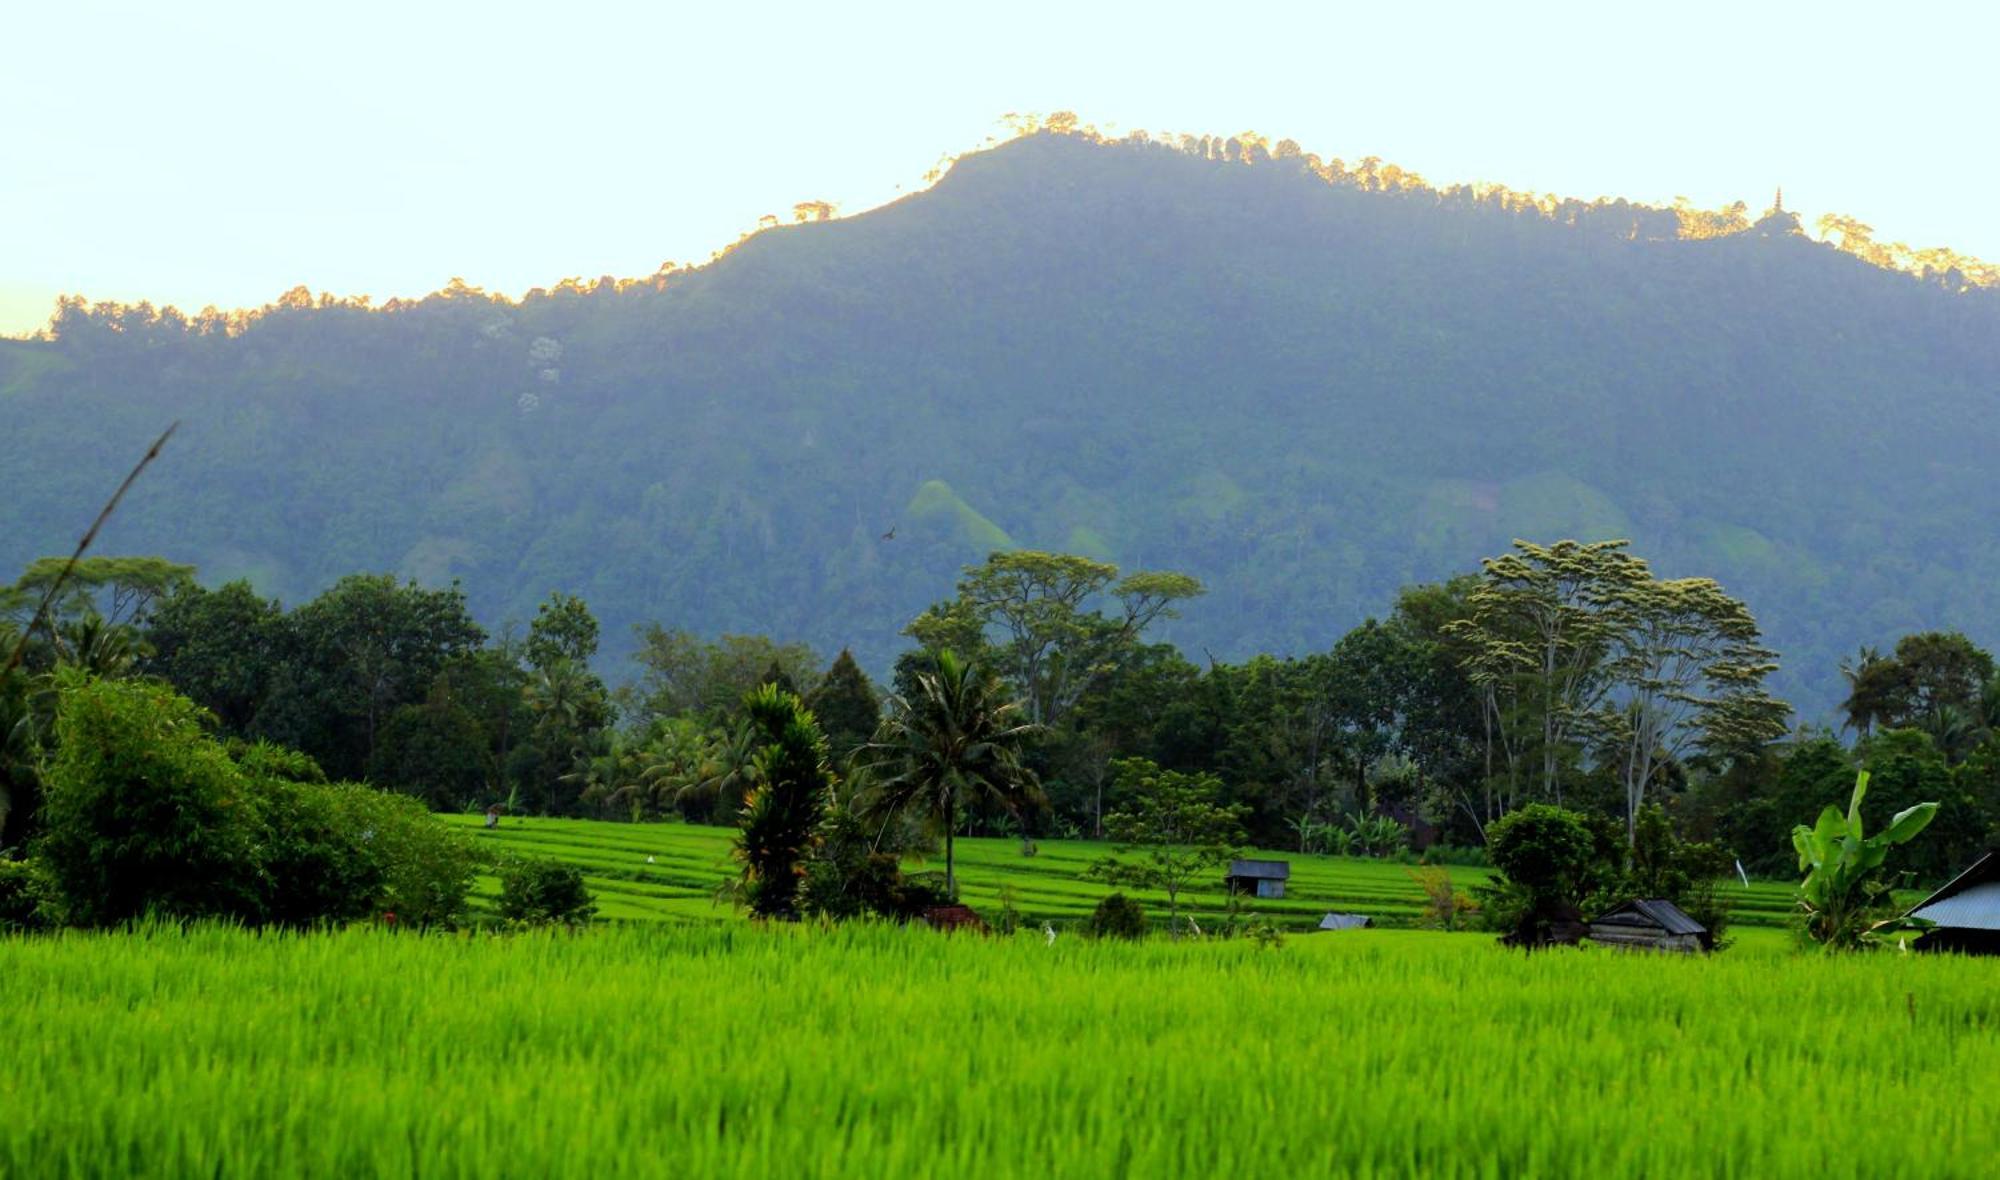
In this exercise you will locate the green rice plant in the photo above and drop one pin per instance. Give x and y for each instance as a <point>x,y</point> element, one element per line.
<point>881,1050</point>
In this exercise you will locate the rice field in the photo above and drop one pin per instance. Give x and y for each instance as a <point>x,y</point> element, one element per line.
<point>687,862</point>
<point>718,1049</point>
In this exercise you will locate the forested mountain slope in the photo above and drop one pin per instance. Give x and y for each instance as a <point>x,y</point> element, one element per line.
<point>1305,393</point>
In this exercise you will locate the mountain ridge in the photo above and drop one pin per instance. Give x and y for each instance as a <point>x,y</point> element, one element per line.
<point>1305,393</point>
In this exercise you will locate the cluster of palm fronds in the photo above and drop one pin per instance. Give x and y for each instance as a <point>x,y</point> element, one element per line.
<point>1357,835</point>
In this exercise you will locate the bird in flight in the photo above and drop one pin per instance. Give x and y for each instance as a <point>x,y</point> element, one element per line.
<point>891,534</point>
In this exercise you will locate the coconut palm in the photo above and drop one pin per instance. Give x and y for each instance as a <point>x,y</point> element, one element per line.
<point>956,738</point>
<point>1875,690</point>
<point>722,773</point>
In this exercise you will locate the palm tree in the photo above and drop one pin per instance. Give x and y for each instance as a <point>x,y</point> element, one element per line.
<point>956,738</point>
<point>723,771</point>
<point>1873,690</point>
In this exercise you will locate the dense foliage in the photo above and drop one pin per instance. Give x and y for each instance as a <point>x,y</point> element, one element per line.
<point>1305,383</point>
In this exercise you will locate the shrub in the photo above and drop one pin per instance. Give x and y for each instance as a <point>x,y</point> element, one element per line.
<point>27,896</point>
<point>317,867</point>
<point>1117,916</point>
<point>1551,861</point>
<point>268,762</point>
<point>544,892</point>
<point>1445,907</point>
<point>427,867</point>
<point>144,811</point>
<point>846,877</point>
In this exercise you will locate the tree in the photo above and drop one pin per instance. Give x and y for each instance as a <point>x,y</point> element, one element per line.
<point>353,656</point>
<point>1689,665</point>
<point>435,750</point>
<point>681,675</point>
<point>1842,865</point>
<point>1935,680</point>
<point>570,709</point>
<point>1540,618</point>
<point>956,740</point>
<point>1874,690</point>
<point>1048,643</point>
<point>846,704</point>
<point>1178,826</point>
<point>120,589</point>
<point>782,813</point>
<point>564,629</point>
<point>219,647</point>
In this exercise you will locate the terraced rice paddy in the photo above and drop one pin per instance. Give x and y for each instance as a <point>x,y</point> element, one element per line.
<point>728,1050</point>
<point>688,861</point>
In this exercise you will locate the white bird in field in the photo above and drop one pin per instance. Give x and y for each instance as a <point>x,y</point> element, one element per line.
<point>1049,932</point>
<point>649,860</point>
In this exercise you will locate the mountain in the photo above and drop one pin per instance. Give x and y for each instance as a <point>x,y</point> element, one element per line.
<point>1307,386</point>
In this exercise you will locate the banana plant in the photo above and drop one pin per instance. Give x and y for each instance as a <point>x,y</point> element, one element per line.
<point>1841,863</point>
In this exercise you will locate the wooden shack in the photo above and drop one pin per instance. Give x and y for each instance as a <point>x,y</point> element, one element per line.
<point>1338,921</point>
<point>1965,913</point>
<point>1651,924</point>
<point>1259,878</point>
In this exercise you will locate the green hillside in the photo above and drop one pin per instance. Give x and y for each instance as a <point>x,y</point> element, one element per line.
<point>1307,388</point>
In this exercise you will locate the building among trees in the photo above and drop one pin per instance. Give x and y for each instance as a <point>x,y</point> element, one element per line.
<point>1651,924</point>
<point>1259,878</point>
<point>1965,912</point>
<point>1338,921</point>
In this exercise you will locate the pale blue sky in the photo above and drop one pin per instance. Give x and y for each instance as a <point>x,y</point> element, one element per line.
<point>220,152</point>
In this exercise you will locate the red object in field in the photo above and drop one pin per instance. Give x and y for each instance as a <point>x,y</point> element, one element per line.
<point>389,917</point>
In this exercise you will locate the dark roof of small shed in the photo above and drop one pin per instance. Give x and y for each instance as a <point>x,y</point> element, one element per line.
<point>1269,870</point>
<point>1656,912</point>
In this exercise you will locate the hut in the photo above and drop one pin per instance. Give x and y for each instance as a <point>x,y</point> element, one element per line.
<point>1965,914</point>
<point>1651,924</point>
<point>1259,878</point>
<point>1337,921</point>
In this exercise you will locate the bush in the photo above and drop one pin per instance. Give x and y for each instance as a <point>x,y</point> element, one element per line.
<point>1551,861</point>
<point>144,811</point>
<point>318,869</point>
<point>27,897</point>
<point>267,762</point>
<point>1117,916</point>
<point>544,893</point>
<point>427,867</point>
<point>846,877</point>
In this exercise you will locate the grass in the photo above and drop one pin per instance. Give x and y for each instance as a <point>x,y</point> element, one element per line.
<point>688,861</point>
<point>727,1050</point>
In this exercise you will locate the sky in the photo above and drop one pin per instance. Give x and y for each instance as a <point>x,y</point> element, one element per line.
<point>221,152</point>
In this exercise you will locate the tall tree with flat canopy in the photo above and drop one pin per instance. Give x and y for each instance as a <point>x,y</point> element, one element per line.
<point>1542,615</point>
<point>1045,637</point>
<point>1690,666</point>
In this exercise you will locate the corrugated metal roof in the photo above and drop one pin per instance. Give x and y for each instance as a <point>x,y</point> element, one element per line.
<point>1975,907</point>
<point>1651,911</point>
<point>1345,922</point>
<point>1267,869</point>
<point>1940,907</point>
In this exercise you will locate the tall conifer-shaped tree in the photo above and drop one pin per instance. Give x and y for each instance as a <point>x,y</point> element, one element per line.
<point>781,813</point>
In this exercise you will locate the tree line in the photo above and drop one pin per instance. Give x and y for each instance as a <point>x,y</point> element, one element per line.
<point>1565,674</point>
